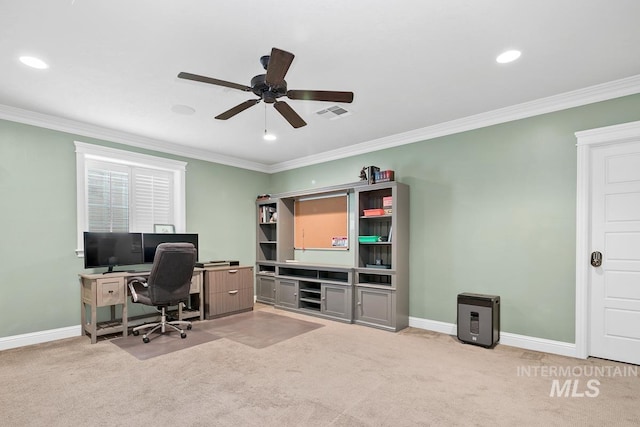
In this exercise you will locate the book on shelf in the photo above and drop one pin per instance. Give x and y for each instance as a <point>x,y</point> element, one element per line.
<point>267,214</point>
<point>383,176</point>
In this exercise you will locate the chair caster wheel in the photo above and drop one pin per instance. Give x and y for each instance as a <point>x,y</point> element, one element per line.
<point>145,340</point>
<point>183,335</point>
<point>189,327</point>
<point>136,333</point>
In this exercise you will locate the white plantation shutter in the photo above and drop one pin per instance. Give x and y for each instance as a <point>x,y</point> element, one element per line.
<point>152,201</point>
<point>122,191</point>
<point>107,199</point>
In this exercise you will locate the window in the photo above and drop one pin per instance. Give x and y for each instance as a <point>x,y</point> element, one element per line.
<point>121,191</point>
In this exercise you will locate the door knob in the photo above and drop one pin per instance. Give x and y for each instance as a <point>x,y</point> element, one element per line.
<point>596,259</point>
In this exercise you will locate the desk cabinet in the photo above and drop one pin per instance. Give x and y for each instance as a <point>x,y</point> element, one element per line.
<point>228,290</point>
<point>99,290</point>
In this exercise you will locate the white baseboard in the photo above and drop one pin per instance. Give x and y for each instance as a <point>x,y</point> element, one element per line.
<point>39,337</point>
<point>506,338</point>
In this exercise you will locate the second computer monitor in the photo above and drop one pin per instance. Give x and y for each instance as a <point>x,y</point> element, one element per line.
<point>151,240</point>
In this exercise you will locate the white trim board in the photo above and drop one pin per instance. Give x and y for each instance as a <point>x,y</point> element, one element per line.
<point>601,92</point>
<point>586,141</point>
<point>506,338</point>
<point>512,340</point>
<point>31,338</point>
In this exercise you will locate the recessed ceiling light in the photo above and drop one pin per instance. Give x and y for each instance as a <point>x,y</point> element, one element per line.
<point>183,109</point>
<point>34,62</point>
<point>508,56</point>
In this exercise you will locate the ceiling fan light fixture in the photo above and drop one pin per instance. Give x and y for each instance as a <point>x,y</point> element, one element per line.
<point>268,136</point>
<point>508,56</point>
<point>183,109</point>
<point>33,62</point>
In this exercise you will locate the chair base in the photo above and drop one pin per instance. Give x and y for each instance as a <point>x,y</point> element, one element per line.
<point>162,325</point>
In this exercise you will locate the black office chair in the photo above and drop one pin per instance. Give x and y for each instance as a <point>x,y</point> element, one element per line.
<point>168,284</point>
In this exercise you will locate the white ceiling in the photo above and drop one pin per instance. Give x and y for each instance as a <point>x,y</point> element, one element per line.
<point>413,66</point>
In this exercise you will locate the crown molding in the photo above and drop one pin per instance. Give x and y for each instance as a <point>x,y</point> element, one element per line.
<point>589,95</point>
<point>625,132</point>
<point>92,131</point>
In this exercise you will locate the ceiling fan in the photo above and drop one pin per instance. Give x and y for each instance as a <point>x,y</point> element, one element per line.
<point>271,86</point>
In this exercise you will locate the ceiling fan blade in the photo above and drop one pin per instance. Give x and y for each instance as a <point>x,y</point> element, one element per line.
<point>237,109</point>
<point>279,63</point>
<point>321,95</point>
<point>287,112</point>
<point>204,79</point>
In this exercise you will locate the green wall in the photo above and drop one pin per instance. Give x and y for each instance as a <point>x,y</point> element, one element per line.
<point>39,287</point>
<point>492,211</point>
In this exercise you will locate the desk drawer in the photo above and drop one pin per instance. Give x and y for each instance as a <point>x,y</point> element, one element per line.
<point>229,279</point>
<point>110,291</point>
<point>230,301</point>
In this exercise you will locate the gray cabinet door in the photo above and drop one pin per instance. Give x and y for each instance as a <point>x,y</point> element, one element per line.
<point>337,301</point>
<point>287,293</point>
<point>266,289</point>
<point>375,306</point>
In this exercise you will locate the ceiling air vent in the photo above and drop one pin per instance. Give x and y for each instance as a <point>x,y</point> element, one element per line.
<point>332,113</point>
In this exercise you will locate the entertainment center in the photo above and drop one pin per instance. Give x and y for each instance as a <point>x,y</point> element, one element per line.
<point>373,290</point>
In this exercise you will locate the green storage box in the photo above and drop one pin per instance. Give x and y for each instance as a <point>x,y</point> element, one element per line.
<point>368,239</point>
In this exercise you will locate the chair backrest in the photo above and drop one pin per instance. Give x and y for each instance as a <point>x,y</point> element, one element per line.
<point>170,278</point>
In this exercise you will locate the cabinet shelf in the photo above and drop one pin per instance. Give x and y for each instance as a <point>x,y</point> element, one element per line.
<point>311,300</point>
<point>382,296</point>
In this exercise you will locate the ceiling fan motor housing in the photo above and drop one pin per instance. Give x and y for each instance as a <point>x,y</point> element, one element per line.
<point>264,91</point>
<point>264,61</point>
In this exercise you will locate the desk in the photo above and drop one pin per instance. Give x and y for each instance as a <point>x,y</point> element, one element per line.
<point>102,290</point>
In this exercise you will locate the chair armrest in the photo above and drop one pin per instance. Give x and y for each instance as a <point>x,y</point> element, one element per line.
<point>132,282</point>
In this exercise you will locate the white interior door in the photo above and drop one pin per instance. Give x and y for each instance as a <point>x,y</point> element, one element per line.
<point>615,232</point>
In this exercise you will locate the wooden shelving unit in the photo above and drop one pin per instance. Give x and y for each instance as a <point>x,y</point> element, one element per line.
<point>382,270</point>
<point>373,292</point>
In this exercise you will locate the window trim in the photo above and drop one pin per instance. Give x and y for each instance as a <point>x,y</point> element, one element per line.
<point>86,151</point>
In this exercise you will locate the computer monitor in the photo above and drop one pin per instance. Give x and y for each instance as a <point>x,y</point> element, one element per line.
<point>112,249</point>
<point>151,240</point>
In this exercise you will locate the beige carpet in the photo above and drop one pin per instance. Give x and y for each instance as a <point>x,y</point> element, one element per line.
<point>335,375</point>
<point>257,329</point>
